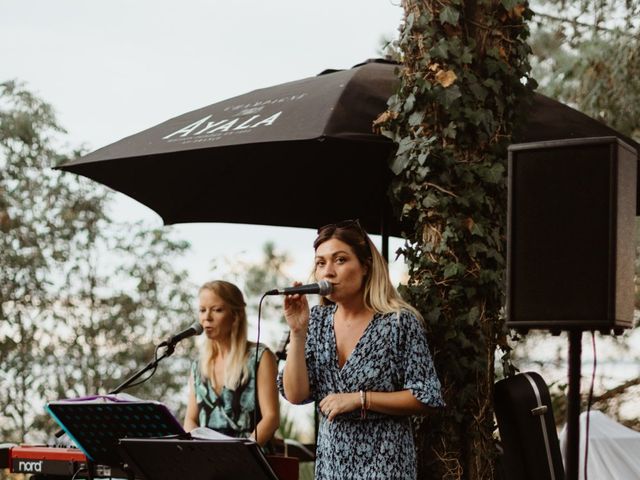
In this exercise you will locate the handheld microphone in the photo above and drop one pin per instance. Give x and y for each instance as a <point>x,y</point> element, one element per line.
<point>323,287</point>
<point>195,329</point>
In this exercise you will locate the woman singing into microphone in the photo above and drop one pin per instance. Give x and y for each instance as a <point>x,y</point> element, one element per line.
<point>222,381</point>
<point>363,356</point>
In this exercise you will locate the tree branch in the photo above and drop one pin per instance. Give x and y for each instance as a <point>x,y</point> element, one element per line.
<point>619,390</point>
<point>573,21</point>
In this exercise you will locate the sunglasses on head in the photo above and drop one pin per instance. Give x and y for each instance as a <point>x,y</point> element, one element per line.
<point>355,223</point>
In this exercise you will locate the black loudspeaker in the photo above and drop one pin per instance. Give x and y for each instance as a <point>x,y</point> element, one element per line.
<point>571,235</point>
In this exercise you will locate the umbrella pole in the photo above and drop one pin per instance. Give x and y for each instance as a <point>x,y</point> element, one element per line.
<point>385,237</point>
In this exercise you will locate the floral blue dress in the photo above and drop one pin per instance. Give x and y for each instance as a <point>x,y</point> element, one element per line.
<point>391,355</point>
<point>232,412</point>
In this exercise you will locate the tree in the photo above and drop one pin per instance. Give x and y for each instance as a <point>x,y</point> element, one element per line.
<point>266,275</point>
<point>589,57</point>
<point>257,277</point>
<point>83,299</point>
<point>465,74</point>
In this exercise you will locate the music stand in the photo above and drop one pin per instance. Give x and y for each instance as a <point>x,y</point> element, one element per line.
<point>168,459</point>
<point>96,426</point>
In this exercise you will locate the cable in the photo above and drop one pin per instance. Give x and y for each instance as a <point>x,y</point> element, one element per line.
<point>589,402</point>
<point>255,377</point>
<point>155,359</point>
<point>80,469</point>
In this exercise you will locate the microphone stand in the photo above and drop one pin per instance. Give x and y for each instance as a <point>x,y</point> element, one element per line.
<point>153,364</point>
<point>281,351</point>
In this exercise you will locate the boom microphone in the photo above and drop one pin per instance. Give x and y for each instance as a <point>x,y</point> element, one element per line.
<point>323,287</point>
<point>195,329</point>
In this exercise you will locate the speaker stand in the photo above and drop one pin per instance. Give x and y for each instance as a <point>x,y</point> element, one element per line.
<point>573,406</point>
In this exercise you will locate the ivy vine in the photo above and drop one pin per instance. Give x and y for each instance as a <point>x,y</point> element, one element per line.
<point>464,80</point>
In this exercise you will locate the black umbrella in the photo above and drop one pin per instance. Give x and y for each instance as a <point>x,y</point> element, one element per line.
<point>299,154</point>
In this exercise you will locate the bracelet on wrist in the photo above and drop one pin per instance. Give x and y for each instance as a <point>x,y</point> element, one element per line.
<point>363,404</point>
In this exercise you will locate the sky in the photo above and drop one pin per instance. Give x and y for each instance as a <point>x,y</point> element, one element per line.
<point>112,68</point>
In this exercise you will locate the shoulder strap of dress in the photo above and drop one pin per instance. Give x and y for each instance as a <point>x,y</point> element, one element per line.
<point>197,373</point>
<point>251,351</point>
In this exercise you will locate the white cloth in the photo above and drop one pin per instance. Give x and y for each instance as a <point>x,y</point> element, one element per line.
<point>614,450</point>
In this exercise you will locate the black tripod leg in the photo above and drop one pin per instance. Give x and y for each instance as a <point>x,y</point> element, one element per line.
<point>91,468</point>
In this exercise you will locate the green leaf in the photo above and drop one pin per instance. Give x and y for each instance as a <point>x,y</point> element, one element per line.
<point>449,15</point>
<point>509,4</point>
<point>450,130</point>
<point>422,85</point>
<point>450,334</point>
<point>440,50</point>
<point>399,162</point>
<point>466,57</point>
<point>387,133</point>
<point>495,173</point>
<point>449,95</point>
<point>425,19</point>
<point>409,102</point>
<point>423,172</point>
<point>410,19</point>
<point>416,118</point>
<point>451,270</point>
<point>477,230</point>
<point>478,91</point>
<point>405,145</point>
<point>473,316</point>
<point>430,201</point>
<point>433,315</point>
<point>492,84</point>
<point>407,207</point>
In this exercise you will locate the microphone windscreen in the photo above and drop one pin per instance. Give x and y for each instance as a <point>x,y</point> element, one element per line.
<point>325,287</point>
<point>198,328</point>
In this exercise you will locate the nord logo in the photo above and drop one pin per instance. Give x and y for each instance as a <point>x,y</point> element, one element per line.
<point>34,466</point>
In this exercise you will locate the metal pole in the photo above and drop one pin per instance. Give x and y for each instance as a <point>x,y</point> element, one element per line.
<point>149,366</point>
<point>573,406</point>
<point>385,236</point>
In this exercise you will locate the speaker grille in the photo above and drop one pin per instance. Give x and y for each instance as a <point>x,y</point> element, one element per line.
<point>564,251</point>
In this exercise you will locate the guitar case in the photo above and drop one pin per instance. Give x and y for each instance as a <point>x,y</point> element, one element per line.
<point>531,450</point>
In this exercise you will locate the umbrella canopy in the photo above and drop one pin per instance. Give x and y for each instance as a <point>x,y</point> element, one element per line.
<point>299,154</point>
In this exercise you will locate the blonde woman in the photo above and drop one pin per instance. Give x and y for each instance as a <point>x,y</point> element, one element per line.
<point>222,381</point>
<point>363,356</point>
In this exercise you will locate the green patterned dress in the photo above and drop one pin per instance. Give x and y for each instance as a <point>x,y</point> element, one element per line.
<point>232,412</point>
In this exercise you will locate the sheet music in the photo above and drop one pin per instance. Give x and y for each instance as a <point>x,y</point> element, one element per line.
<point>205,433</point>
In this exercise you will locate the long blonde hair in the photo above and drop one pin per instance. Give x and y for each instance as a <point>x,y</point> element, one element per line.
<point>236,371</point>
<point>379,293</point>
